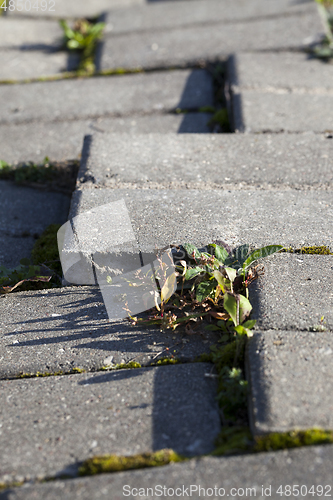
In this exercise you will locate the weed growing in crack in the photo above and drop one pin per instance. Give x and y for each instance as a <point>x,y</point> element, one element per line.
<point>325,49</point>
<point>212,293</point>
<point>51,175</point>
<point>83,38</point>
<point>43,272</point>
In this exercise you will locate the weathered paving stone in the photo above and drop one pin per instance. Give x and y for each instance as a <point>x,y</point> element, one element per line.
<point>189,45</point>
<point>237,216</point>
<point>265,472</point>
<point>284,92</point>
<point>182,13</point>
<point>281,111</point>
<point>33,34</point>
<point>105,96</point>
<point>294,293</point>
<point>218,160</point>
<point>287,70</point>
<point>24,214</point>
<point>156,217</point>
<point>75,8</point>
<point>52,424</point>
<point>63,140</point>
<point>290,375</point>
<point>22,64</point>
<point>57,330</point>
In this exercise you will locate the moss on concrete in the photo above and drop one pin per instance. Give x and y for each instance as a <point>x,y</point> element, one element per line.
<point>312,250</point>
<point>293,439</point>
<point>167,361</point>
<point>233,440</point>
<point>116,463</point>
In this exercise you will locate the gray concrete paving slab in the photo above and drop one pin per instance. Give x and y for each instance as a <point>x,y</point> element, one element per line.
<point>63,140</point>
<point>256,217</point>
<point>291,380</point>
<point>160,217</point>
<point>26,212</point>
<point>33,34</point>
<point>295,292</point>
<point>74,8</point>
<point>285,70</point>
<point>20,64</point>
<point>143,17</point>
<point>54,423</point>
<point>280,111</point>
<point>105,96</point>
<point>61,329</point>
<point>208,160</point>
<point>265,472</point>
<point>189,45</point>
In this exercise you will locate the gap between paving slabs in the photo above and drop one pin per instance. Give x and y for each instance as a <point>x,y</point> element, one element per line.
<point>232,439</point>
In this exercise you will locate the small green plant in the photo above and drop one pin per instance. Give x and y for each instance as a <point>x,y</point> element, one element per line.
<point>25,273</point>
<point>325,49</point>
<point>43,272</point>
<point>58,176</point>
<point>83,38</point>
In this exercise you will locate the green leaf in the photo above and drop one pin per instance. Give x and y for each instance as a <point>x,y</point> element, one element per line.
<point>219,278</point>
<point>240,330</point>
<point>212,328</point>
<point>232,273</point>
<point>249,324</point>
<point>260,253</point>
<point>204,289</point>
<point>192,272</point>
<point>242,253</point>
<point>230,305</point>
<point>109,280</point>
<point>168,288</point>
<point>73,44</point>
<point>190,249</point>
<point>244,308</point>
<point>220,252</point>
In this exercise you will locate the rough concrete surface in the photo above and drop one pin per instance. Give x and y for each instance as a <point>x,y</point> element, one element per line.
<point>76,8</point>
<point>33,34</point>
<point>54,423</point>
<point>63,140</point>
<point>61,329</point>
<point>143,17</point>
<point>256,217</point>
<point>23,64</point>
<point>291,380</point>
<point>295,292</point>
<point>25,213</point>
<point>184,45</point>
<point>219,159</point>
<point>286,70</point>
<point>281,111</point>
<point>265,472</point>
<point>105,96</point>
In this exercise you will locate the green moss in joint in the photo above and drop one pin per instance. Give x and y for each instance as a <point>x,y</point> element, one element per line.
<point>233,440</point>
<point>204,358</point>
<point>313,250</point>
<point>125,366</point>
<point>167,361</point>
<point>45,249</point>
<point>293,439</point>
<point>115,463</point>
<point>78,370</point>
<point>39,374</point>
